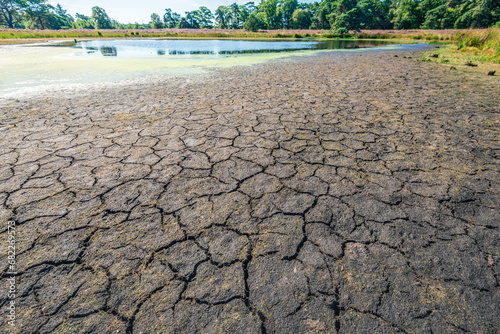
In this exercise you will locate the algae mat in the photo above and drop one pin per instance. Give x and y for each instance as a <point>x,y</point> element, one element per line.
<point>341,193</point>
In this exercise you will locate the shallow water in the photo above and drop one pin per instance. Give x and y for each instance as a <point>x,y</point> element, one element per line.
<point>129,48</point>
<point>28,70</point>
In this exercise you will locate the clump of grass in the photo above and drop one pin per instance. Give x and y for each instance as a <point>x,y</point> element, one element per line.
<point>485,44</point>
<point>280,35</point>
<point>480,47</point>
<point>336,35</point>
<point>363,35</point>
<point>481,39</point>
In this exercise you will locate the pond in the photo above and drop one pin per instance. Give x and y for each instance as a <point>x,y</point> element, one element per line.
<point>39,69</point>
<point>130,48</point>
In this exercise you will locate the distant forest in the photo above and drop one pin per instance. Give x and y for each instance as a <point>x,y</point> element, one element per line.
<point>340,16</point>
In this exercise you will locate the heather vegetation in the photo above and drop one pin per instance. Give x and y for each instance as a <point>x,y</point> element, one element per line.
<point>339,16</point>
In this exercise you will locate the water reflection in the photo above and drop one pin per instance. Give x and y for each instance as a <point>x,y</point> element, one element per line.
<point>154,48</point>
<point>108,51</point>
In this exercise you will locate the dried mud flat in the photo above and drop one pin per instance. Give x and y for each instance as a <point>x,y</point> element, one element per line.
<point>352,192</point>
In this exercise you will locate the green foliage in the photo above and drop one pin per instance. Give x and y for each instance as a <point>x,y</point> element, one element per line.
<point>156,22</point>
<point>11,12</point>
<point>33,14</point>
<point>301,19</point>
<point>190,21</point>
<point>101,19</point>
<point>83,22</point>
<point>478,14</point>
<point>39,15</point>
<point>487,40</point>
<point>271,14</point>
<point>171,19</point>
<point>322,11</point>
<point>405,14</point>
<point>222,17</point>
<point>286,9</point>
<point>339,16</point>
<point>204,17</point>
<point>253,23</point>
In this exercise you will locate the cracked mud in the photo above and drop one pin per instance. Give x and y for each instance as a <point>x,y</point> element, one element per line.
<point>344,193</point>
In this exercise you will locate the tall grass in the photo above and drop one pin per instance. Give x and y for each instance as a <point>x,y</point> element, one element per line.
<point>426,35</point>
<point>485,41</point>
<point>480,46</point>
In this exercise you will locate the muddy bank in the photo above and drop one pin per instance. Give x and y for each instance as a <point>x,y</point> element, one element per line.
<point>348,192</point>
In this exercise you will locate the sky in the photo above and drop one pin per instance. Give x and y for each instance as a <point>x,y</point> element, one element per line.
<point>131,11</point>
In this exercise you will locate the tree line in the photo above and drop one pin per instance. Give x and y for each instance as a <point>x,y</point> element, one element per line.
<point>340,16</point>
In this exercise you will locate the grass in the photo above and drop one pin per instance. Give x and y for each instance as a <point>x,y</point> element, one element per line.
<point>427,35</point>
<point>479,47</point>
<point>9,34</point>
<point>484,44</point>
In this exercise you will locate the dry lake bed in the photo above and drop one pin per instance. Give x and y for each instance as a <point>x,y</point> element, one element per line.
<point>345,192</point>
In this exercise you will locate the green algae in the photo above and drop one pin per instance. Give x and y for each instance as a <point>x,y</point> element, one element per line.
<point>29,68</point>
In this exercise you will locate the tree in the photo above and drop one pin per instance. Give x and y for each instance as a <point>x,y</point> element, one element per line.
<point>183,23</point>
<point>204,17</point>
<point>83,22</point>
<point>191,21</point>
<point>271,14</point>
<point>58,10</point>
<point>11,12</point>
<point>288,7</point>
<point>478,14</point>
<point>222,17</point>
<point>406,14</point>
<point>171,19</point>
<point>373,14</point>
<point>101,19</point>
<point>438,14</point>
<point>345,16</point>
<point>321,21</point>
<point>301,19</point>
<point>39,16</point>
<point>156,22</point>
<point>253,23</point>
<point>235,15</point>
<point>246,10</point>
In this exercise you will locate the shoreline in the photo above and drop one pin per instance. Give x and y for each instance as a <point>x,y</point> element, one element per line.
<point>62,72</point>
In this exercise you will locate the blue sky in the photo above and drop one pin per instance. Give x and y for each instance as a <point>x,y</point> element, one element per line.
<point>128,11</point>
